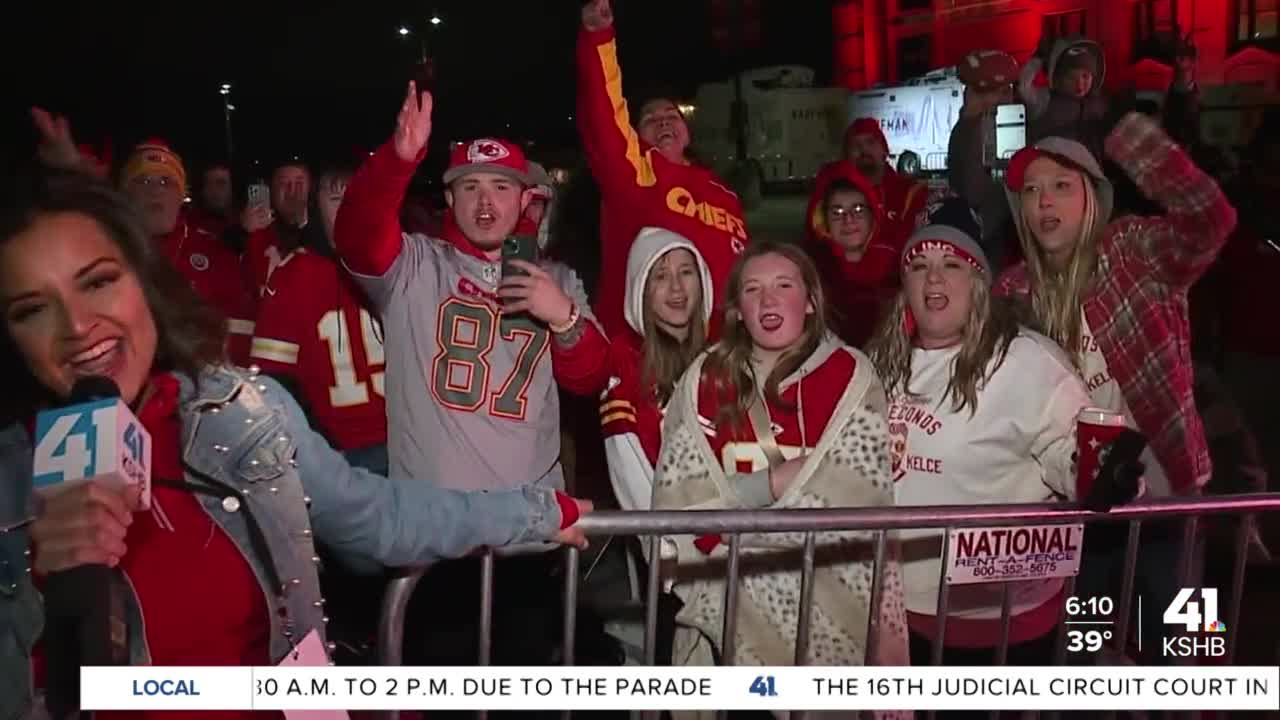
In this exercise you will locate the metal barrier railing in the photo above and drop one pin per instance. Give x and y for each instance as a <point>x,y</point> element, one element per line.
<point>732,523</point>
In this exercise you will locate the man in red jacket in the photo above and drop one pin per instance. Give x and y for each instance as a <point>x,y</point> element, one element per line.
<point>645,176</point>
<point>904,198</point>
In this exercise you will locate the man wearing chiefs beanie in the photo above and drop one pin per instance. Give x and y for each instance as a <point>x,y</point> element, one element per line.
<point>904,198</point>
<point>156,180</point>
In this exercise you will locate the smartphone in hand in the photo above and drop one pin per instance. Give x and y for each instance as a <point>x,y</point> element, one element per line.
<point>1010,132</point>
<point>518,247</point>
<point>259,195</point>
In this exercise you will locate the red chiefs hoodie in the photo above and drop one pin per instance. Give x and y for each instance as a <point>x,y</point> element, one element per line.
<point>858,292</point>
<point>641,188</point>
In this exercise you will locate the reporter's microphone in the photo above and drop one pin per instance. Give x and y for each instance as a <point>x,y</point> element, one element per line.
<point>95,436</point>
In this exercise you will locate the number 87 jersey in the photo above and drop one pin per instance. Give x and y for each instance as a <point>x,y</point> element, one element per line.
<point>472,401</point>
<point>312,327</point>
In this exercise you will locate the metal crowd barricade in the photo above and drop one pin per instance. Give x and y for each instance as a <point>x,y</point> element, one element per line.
<point>732,523</point>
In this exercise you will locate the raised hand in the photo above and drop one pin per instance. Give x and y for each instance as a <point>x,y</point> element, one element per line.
<point>413,126</point>
<point>597,15</point>
<point>57,148</point>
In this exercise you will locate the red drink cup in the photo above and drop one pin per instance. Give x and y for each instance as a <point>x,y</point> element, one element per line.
<point>1095,429</point>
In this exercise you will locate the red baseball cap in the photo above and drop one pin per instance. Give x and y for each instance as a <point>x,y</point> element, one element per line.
<point>490,155</point>
<point>1014,174</point>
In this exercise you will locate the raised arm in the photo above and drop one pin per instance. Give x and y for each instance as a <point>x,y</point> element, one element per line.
<point>1181,244</point>
<point>367,232</point>
<point>1035,98</point>
<point>613,147</point>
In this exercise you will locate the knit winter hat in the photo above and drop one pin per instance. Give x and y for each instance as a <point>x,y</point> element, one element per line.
<point>154,157</point>
<point>952,239</point>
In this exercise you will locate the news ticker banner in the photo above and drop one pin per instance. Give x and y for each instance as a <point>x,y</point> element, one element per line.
<point>685,688</point>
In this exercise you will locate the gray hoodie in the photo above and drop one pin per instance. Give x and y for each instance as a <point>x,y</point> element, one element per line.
<point>1050,112</point>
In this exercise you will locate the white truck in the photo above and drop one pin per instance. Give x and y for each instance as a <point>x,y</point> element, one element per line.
<point>793,128</point>
<point>916,116</point>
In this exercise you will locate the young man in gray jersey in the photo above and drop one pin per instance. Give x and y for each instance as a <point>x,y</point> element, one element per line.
<point>471,396</point>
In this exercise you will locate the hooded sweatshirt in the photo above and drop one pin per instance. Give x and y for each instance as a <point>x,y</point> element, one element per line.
<point>858,291</point>
<point>1053,113</point>
<point>1135,310</point>
<point>630,417</point>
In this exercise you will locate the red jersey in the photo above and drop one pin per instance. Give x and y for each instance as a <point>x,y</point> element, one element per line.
<point>263,253</point>
<point>313,326</point>
<point>904,200</point>
<point>628,406</point>
<point>816,393</point>
<point>213,270</point>
<point>639,187</point>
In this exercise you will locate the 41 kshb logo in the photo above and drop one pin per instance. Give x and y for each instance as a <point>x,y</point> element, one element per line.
<point>1195,617</point>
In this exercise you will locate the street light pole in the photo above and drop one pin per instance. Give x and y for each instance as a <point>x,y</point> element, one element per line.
<point>226,114</point>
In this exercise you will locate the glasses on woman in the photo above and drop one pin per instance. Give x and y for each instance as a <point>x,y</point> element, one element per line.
<point>848,213</point>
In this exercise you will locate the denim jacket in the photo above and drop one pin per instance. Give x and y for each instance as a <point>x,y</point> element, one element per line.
<point>246,433</point>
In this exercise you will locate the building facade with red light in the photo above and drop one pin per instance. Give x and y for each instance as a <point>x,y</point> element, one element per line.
<point>888,41</point>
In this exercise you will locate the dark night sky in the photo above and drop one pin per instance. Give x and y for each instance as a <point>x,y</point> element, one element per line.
<point>325,78</point>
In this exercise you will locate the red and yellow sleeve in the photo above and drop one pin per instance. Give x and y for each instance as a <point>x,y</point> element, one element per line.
<point>613,147</point>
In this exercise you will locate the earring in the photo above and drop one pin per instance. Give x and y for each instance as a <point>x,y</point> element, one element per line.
<point>908,322</point>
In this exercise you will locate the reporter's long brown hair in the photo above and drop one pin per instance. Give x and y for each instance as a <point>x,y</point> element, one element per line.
<point>728,364</point>
<point>190,334</point>
<point>991,328</point>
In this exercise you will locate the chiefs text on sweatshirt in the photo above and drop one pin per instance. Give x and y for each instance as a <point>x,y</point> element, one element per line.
<point>639,187</point>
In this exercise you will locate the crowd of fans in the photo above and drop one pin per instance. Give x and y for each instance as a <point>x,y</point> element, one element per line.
<point>338,381</point>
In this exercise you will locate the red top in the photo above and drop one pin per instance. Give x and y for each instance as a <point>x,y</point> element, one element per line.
<point>629,405</point>
<point>313,326</point>
<point>822,388</point>
<point>639,187</point>
<point>201,603</point>
<point>904,197</point>
<point>262,255</point>
<point>858,291</point>
<point>213,270</point>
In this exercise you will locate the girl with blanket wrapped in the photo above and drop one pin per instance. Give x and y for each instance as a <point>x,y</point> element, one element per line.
<point>779,414</point>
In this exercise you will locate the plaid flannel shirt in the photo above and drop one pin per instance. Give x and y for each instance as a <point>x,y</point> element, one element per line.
<point>1137,305</point>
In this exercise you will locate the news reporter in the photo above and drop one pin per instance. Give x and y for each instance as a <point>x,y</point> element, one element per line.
<point>222,569</point>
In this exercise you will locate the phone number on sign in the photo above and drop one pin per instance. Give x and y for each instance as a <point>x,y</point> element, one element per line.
<point>1014,569</point>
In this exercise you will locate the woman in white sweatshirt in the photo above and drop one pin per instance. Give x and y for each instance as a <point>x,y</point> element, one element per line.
<point>981,411</point>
